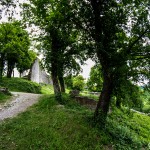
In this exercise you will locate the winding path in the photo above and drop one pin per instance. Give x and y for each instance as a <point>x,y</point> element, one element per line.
<point>19,103</point>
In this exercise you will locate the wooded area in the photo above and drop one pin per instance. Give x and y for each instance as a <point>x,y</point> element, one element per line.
<point>112,33</point>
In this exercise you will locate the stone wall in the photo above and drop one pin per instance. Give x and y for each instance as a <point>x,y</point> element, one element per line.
<point>85,101</point>
<point>39,75</point>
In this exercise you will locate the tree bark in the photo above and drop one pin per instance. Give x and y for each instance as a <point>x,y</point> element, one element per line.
<point>10,68</point>
<point>55,79</point>
<point>62,84</point>
<point>104,100</point>
<point>1,67</point>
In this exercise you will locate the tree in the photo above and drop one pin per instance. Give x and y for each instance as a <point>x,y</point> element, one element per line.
<point>117,28</point>
<point>14,43</point>
<point>128,95</point>
<point>94,82</point>
<point>58,38</point>
<point>10,10</point>
<point>25,62</point>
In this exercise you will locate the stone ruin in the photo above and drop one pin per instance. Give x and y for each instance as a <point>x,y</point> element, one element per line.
<point>38,75</point>
<point>83,100</point>
<point>35,74</point>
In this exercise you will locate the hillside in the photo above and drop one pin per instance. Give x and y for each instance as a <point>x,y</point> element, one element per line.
<point>20,85</point>
<point>49,125</point>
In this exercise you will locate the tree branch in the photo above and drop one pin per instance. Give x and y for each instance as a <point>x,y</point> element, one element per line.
<point>134,42</point>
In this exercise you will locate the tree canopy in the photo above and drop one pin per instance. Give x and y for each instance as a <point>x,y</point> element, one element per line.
<point>58,38</point>
<point>14,45</point>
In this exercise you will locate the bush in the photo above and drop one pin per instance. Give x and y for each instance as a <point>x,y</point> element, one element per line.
<point>78,83</point>
<point>21,85</point>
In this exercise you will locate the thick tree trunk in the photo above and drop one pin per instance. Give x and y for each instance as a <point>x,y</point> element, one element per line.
<point>104,100</point>
<point>62,84</point>
<point>55,79</point>
<point>55,84</point>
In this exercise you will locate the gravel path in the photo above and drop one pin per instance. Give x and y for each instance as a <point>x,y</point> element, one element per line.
<point>19,103</point>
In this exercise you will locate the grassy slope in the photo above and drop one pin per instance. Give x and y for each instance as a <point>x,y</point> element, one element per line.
<point>4,98</point>
<point>47,89</point>
<point>21,85</point>
<point>50,126</point>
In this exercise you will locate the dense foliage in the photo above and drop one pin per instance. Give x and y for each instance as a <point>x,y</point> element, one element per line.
<point>95,81</point>
<point>78,83</point>
<point>14,48</point>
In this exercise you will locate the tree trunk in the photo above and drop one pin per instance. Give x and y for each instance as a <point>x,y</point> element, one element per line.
<point>1,67</point>
<point>55,79</point>
<point>10,68</point>
<point>62,84</point>
<point>104,100</point>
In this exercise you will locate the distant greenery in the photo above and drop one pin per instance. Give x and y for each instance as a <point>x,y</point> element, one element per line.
<point>95,81</point>
<point>21,85</point>
<point>78,83</point>
<point>48,125</point>
<point>75,82</point>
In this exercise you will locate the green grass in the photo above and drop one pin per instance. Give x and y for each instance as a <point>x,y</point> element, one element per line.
<point>21,85</point>
<point>131,130</point>
<point>47,89</point>
<point>50,126</point>
<point>4,98</point>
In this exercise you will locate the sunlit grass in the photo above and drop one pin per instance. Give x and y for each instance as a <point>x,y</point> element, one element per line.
<point>47,89</point>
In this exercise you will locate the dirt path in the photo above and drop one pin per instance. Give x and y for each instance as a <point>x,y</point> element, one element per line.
<point>19,103</point>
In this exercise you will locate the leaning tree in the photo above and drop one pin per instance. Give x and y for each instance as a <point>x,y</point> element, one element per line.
<point>118,29</point>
